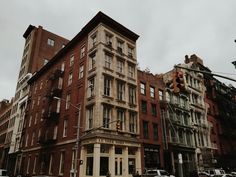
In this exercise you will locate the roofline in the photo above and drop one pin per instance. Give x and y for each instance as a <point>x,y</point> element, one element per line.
<point>98,18</point>
<point>28,31</point>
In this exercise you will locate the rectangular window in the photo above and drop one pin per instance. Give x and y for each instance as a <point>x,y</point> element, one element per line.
<point>81,71</point>
<point>91,87</point>
<point>107,86</point>
<point>104,166</point>
<point>132,122</point>
<point>132,95</point>
<point>50,164</point>
<point>121,118</point>
<point>62,162</point>
<point>106,116</point>
<point>55,133</point>
<point>109,40</point>
<point>65,127</point>
<point>28,164</point>
<point>130,52</point>
<point>145,130</point>
<point>26,140</point>
<point>144,106</point>
<point>32,140</point>
<point>67,101</point>
<point>82,52</point>
<point>92,61</point>
<point>155,131</point>
<point>120,46</point>
<point>143,88</point>
<point>152,92</point>
<point>89,166</point>
<point>51,42</point>
<point>94,39</point>
<point>72,58</point>
<point>120,66</point>
<point>154,109</point>
<point>35,163</point>
<point>120,90</point>
<point>108,60</point>
<point>161,95</point>
<point>90,117</point>
<point>69,79</point>
<point>131,71</point>
<point>132,168</point>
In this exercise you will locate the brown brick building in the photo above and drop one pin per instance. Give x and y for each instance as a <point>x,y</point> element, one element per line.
<point>150,120</point>
<point>5,112</point>
<point>40,46</point>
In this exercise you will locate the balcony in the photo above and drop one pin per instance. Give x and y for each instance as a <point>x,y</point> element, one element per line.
<point>47,141</point>
<point>53,115</point>
<point>56,74</point>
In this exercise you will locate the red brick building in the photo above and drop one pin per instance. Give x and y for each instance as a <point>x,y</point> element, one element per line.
<point>40,46</point>
<point>5,112</point>
<point>150,120</point>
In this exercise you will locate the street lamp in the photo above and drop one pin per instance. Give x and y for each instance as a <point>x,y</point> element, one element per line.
<point>77,135</point>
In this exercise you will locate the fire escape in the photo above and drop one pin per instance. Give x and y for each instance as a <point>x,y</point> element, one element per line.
<point>50,118</point>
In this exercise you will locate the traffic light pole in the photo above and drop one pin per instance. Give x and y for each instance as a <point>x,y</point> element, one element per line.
<point>205,72</point>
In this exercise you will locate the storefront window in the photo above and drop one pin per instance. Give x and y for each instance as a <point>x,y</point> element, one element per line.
<point>89,166</point>
<point>104,166</point>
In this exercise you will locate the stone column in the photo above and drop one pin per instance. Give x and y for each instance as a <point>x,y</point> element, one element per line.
<point>96,159</point>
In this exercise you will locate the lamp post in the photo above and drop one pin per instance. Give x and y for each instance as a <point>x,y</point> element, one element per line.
<point>77,136</point>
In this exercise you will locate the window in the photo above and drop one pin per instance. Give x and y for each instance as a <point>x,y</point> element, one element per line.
<point>160,95</point>
<point>107,86</point>
<point>154,109</point>
<point>26,140</point>
<point>121,118</point>
<point>109,40</point>
<point>90,117</point>
<point>82,52</point>
<point>32,140</point>
<point>30,120</point>
<point>92,61</point>
<point>69,79</point>
<point>28,164</point>
<point>89,166</point>
<point>39,98</point>
<point>67,101</point>
<point>132,95</point>
<point>94,39</point>
<point>145,130</point>
<point>108,59</point>
<point>81,71</point>
<point>91,87</point>
<point>143,88</point>
<point>130,52</point>
<point>132,122</point>
<point>120,90</point>
<point>120,66</point>
<point>104,166</point>
<point>62,161</point>
<point>63,66</point>
<point>120,46</point>
<point>144,106</point>
<point>65,126</point>
<point>131,71</point>
<point>72,60</point>
<point>155,131</point>
<point>106,116</point>
<point>35,163</point>
<point>51,42</point>
<point>152,92</point>
<point>55,133</point>
<point>50,164</point>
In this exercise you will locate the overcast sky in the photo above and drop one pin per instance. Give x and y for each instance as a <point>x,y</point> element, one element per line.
<point>168,30</point>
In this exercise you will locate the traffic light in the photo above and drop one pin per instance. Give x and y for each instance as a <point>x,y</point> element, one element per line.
<point>173,84</point>
<point>118,125</point>
<point>179,80</point>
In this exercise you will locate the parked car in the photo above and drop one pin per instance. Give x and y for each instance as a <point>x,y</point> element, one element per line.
<point>3,173</point>
<point>215,172</point>
<point>157,173</point>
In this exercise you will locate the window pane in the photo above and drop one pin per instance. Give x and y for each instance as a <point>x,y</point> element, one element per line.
<point>104,166</point>
<point>89,166</point>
